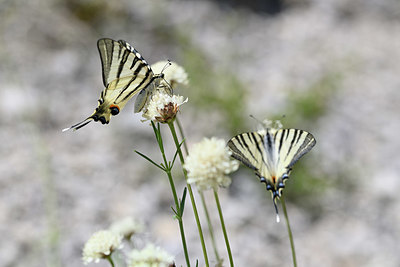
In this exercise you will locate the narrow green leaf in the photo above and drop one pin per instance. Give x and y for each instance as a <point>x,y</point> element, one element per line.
<point>176,153</point>
<point>157,133</point>
<point>150,160</point>
<point>175,212</point>
<point>166,168</point>
<point>182,204</point>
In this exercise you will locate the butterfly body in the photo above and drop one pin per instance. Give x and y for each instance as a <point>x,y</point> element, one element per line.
<point>125,74</point>
<point>271,153</point>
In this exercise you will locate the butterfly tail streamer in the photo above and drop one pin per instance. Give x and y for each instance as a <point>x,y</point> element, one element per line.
<point>274,198</point>
<point>79,125</point>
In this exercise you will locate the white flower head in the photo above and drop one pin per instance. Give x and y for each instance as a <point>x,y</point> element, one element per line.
<point>174,74</point>
<point>150,256</point>
<point>208,164</point>
<point>269,124</point>
<point>100,245</point>
<point>162,107</point>
<point>127,227</point>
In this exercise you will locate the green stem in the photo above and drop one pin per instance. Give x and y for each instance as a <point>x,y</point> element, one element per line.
<point>221,217</point>
<point>196,215</point>
<point>177,206</point>
<point>180,221</point>
<point>210,227</point>
<point>289,231</point>
<point>182,135</point>
<point>110,260</point>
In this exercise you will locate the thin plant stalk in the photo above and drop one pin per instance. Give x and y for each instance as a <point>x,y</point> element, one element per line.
<point>110,261</point>
<point>289,231</point>
<point>221,217</point>
<point>173,189</point>
<point>182,135</point>
<point>210,227</point>
<point>196,215</point>
<point>180,221</point>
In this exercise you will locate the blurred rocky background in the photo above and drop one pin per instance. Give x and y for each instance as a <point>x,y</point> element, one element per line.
<point>328,67</point>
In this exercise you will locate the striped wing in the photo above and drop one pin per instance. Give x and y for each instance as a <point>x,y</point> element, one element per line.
<point>120,59</point>
<point>291,145</point>
<point>271,153</point>
<point>125,73</point>
<point>249,149</point>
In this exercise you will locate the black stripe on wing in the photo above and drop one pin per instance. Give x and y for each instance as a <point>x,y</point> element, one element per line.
<point>246,148</point>
<point>122,62</point>
<point>293,144</point>
<point>106,50</point>
<point>146,80</point>
<point>119,59</point>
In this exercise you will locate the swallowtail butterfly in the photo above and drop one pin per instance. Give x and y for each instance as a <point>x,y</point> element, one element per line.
<point>271,153</point>
<point>125,74</point>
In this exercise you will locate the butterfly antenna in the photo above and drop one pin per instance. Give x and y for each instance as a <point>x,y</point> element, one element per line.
<point>261,126</point>
<point>166,65</point>
<point>170,89</point>
<point>257,120</point>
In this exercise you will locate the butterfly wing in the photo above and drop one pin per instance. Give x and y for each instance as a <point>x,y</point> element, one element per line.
<point>291,145</point>
<point>120,59</point>
<point>249,149</point>
<point>124,70</point>
<point>125,73</point>
<point>271,154</point>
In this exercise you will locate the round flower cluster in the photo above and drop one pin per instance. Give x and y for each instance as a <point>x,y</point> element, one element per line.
<point>174,74</point>
<point>163,107</point>
<point>100,245</point>
<point>208,164</point>
<point>150,256</point>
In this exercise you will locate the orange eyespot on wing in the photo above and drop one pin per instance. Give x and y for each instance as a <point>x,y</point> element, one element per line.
<point>114,109</point>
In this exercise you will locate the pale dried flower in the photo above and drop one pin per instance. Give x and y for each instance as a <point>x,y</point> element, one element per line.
<point>127,227</point>
<point>162,107</point>
<point>100,245</point>
<point>150,256</point>
<point>269,124</point>
<point>208,164</point>
<point>174,74</point>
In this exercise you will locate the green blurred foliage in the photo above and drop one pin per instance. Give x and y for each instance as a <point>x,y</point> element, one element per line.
<point>95,12</point>
<point>215,89</point>
<point>305,108</point>
<point>312,104</point>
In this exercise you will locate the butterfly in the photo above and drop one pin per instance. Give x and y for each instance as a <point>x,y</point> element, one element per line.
<point>271,153</point>
<point>125,74</point>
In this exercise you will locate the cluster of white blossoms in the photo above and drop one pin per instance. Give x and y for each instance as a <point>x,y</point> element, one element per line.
<point>100,245</point>
<point>127,227</point>
<point>163,105</point>
<point>208,164</point>
<point>150,256</point>
<point>103,243</point>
